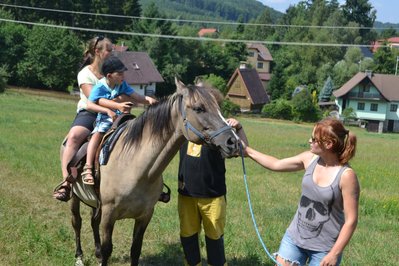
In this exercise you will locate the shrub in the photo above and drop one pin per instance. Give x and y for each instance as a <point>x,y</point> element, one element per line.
<point>3,78</point>
<point>280,109</point>
<point>229,108</point>
<point>303,107</point>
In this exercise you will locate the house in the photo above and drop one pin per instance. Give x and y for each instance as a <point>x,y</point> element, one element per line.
<point>260,59</point>
<point>392,42</point>
<point>208,32</point>
<point>246,90</point>
<point>374,98</point>
<point>142,75</point>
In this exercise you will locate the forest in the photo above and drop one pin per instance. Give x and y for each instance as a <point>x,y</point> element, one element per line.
<point>313,41</point>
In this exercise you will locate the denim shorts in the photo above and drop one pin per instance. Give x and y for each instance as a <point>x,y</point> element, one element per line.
<point>103,123</point>
<point>288,251</point>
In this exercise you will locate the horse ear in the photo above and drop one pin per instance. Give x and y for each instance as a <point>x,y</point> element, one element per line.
<point>181,88</point>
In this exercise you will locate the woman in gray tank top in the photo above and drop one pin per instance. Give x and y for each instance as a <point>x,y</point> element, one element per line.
<point>327,212</point>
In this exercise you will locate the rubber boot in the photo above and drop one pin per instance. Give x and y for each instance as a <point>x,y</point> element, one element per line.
<point>215,251</point>
<point>191,250</point>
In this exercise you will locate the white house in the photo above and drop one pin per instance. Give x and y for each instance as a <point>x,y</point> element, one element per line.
<point>374,98</point>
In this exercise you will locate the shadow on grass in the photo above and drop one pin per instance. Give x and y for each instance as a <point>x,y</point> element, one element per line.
<point>172,255</point>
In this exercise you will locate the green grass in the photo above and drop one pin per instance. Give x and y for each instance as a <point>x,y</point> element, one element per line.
<point>36,230</point>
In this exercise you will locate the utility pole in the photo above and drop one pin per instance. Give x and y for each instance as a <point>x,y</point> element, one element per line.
<point>396,70</point>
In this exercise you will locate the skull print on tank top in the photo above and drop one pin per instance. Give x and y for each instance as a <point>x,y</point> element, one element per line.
<point>319,217</point>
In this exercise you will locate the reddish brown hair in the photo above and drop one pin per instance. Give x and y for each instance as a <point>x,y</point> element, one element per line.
<point>344,141</point>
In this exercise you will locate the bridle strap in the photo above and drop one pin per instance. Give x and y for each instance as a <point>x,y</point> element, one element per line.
<point>205,137</point>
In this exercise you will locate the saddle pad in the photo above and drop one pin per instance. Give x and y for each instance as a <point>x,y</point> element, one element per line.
<point>110,143</point>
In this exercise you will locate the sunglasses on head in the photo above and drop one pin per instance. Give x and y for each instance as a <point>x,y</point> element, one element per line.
<point>99,38</point>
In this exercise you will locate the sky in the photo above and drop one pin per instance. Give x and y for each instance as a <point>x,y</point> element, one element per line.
<point>387,10</point>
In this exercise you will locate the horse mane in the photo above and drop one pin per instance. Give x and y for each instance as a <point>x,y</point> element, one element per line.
<point>158,116</point>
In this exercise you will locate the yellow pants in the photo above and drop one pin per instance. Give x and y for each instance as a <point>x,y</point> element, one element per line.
<point>211,212</point>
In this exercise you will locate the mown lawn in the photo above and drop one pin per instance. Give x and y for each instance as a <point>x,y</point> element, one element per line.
<point>36,230</point>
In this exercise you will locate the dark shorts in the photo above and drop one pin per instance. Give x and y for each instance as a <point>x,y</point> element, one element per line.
<point>85,119</point>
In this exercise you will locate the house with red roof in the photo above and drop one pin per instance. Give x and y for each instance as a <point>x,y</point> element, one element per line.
<point>208,32</point>
<point>374,98</point>
<point>392,42</point>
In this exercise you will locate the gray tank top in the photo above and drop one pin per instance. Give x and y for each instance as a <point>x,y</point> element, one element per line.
<point>319,217</point>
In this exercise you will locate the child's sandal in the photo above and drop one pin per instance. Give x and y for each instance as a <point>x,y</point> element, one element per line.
<point>87,176</point>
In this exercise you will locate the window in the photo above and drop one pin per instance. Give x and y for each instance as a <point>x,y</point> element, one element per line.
<point>394,108</point>
<point>374,107</point>
<point>366,88</point>
<point>251,54</point>
<point>360,106</point>
<point>260,65</point>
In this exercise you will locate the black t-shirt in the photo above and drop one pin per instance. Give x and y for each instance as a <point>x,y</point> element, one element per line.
<point>201,171</point>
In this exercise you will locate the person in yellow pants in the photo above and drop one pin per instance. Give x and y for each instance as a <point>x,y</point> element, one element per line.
<point>202,201</point>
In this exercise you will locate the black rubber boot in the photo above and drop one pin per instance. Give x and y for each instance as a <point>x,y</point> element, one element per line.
<point>191,249</point>
<point>215,251</point>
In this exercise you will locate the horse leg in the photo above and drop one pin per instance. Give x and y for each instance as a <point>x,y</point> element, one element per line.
<point>107,227</point>
<point>140,225</point>
<point>76,220</point>
<point>95,225</point>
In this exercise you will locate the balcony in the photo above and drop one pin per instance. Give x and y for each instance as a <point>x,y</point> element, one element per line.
<point>365,95</point>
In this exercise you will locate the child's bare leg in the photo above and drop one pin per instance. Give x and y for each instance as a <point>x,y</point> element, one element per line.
<point>87,174</point>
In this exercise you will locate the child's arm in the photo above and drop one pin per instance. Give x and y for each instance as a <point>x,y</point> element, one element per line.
<point>97,108</point>
<point>124,107</point>
<point>143,99</point>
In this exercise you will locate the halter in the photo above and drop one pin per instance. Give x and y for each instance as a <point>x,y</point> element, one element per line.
<point>204,137</point>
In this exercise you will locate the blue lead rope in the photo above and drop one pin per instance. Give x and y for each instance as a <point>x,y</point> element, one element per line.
<point>251,211</point>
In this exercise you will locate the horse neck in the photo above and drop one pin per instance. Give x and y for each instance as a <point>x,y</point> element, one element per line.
<point>169,148</point>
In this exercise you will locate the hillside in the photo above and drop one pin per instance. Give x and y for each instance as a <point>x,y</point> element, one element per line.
<point>212,9</point>
<point>378,24</point>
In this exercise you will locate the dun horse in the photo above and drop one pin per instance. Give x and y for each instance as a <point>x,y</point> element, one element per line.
<point>131,181</point>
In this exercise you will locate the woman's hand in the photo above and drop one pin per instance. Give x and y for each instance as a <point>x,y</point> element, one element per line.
<point>329,260</point>
<point>234,123</point>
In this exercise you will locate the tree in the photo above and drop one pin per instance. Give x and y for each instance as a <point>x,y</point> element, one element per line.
<point>217,82</point>
<point>361,12</point>
<point>303,107</point>
<point>51,59</point>
<point>352,63</point>
<point>326,91</point>
<point>13,43</point>
<point>387,33</point>
<point>3,78</point>
<point>385,59</point>
<point>276,88</point>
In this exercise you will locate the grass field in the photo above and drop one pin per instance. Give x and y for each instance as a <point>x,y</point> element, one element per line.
<point>36,230</point>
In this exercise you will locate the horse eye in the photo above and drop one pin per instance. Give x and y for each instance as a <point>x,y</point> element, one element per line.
<point>199,109</point>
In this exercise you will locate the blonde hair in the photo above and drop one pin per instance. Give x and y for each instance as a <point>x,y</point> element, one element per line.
<point>344,141</point>
<point>99,43</point>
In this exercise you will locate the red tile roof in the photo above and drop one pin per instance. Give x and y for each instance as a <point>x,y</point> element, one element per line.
<point>206,31</point>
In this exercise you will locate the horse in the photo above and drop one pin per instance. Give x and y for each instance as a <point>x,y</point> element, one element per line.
<point>131,181</point>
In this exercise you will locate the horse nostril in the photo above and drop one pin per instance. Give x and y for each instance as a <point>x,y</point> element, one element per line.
<point>231,141</point>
